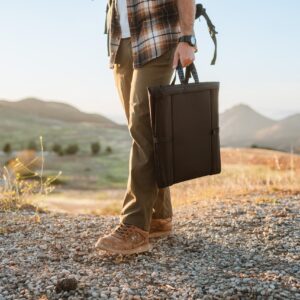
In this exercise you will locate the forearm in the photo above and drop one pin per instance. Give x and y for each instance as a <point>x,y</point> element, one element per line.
<point>187,11</point>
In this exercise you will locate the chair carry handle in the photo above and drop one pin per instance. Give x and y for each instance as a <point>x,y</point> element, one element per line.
<point>189,70</point>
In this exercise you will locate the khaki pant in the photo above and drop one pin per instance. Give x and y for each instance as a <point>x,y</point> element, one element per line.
<point>143,199</point>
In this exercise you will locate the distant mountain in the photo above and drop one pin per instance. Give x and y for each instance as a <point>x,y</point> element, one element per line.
<point>56,111</point>
<point>282,135</point>
<point>241,126</point>
<point>28,119</point>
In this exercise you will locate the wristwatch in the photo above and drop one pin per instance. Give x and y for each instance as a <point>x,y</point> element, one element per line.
<point>190,39</point>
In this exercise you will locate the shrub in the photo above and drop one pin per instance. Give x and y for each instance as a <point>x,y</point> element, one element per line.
<point>95,148</point>
<point>108,150</point>
<point>72,149</point>
<point>19,181</point>
<point>7,148</point>
<point>57,148</point>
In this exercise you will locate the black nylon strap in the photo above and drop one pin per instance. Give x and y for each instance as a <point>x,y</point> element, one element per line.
<point>201,11</point>
<point>105,24</point>
<point>180,72</point>
<point>189,70</point>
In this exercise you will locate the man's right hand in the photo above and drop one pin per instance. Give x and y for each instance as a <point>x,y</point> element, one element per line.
<point>185,53</point>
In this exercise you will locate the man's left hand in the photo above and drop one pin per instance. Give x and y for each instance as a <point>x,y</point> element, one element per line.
<point>185,53</point>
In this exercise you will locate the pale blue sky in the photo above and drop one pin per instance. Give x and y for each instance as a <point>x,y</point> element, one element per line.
<point>56,50</point>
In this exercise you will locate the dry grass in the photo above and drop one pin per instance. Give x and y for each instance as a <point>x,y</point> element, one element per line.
<point>19,181</point>
<point>262,174</point>
<point>111,209</point>
<point>244,171</point>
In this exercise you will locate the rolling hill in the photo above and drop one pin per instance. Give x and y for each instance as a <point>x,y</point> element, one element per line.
<point>55,110</point>
<point>27,119</point>
<point>240,126</point>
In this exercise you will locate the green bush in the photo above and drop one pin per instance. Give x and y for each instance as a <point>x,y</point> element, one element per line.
<point>7,148</point>
<point>71,149</point>
<point>57,148</point>
<point>95,148</point>
<point>108,150</point>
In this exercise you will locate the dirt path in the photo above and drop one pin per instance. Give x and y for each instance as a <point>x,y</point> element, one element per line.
<point>82,202</point>
<point>240,248</point>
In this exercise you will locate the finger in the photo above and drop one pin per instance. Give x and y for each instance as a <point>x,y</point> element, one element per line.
<point>175,60</point>
<point>183,62</point>
<point>186,62</point>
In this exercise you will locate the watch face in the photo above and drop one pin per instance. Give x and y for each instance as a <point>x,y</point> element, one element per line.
<point>193,40</point>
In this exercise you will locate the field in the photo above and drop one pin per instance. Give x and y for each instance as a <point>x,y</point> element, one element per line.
<point>97,184</point>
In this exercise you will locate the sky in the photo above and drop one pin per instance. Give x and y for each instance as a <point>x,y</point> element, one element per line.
<point>56,50</point>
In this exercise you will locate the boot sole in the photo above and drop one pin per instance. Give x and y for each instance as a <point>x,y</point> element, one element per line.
<point>139,249</point>
<point>160,234</point>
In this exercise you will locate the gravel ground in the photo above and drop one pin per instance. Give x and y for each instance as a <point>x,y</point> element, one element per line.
<point>224,249</point>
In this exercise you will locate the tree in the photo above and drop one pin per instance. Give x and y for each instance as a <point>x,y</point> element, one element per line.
<point>7,148</point>
<point>57,148</point>
<point>72,149</point>
<point>95,148</point>
<point>108,150</point>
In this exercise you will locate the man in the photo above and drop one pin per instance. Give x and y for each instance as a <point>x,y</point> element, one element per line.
<point>146,39</point>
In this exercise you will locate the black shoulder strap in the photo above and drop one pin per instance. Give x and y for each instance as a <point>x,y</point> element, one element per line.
<point>200,11</point>
<point>105,25</point>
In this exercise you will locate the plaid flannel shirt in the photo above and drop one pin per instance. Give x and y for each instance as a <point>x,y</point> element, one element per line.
<point>154,27</point>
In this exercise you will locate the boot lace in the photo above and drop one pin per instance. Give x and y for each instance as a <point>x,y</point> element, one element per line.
<point>123,230</point>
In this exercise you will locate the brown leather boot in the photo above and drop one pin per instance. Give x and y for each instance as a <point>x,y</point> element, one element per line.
<point>160,227</point>
<point>125,239</point>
